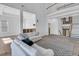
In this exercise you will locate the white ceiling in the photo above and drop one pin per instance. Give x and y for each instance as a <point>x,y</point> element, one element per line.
<point>50,7</point>
<point>28,6</point>
<point>18,5</point>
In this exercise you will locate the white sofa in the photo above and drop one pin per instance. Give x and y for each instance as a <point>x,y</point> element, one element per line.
<point>19,48</point>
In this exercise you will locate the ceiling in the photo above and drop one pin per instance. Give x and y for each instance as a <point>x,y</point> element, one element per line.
<point>50,7</point>
<point>18,5</point>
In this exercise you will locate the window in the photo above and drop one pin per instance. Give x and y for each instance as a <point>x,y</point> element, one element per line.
<point>4,25</point>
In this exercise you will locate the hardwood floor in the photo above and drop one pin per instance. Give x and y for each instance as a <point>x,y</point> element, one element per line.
<point>5,42</point>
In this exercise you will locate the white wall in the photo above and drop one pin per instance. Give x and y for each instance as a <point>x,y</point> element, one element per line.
<point>11,15</point>
<point>75,27</point>
<point>42,25</point>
